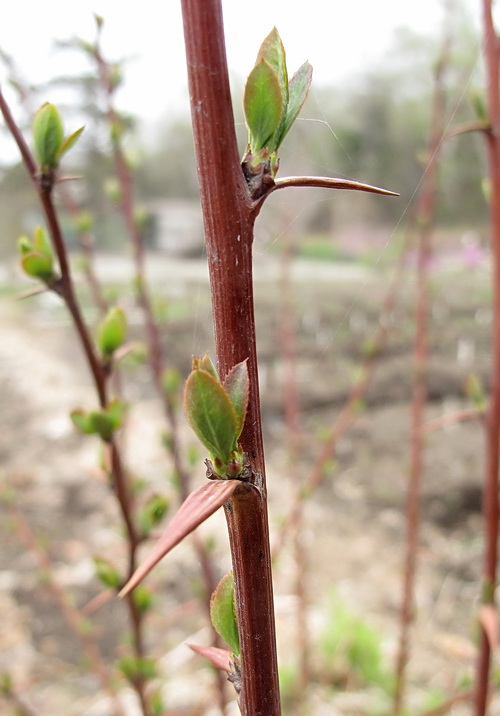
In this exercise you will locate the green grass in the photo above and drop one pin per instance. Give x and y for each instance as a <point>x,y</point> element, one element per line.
<point>351,648</point>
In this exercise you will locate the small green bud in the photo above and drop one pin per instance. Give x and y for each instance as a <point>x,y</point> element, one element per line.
<point>37,265</point>
<point>41,242</point>
<point>152,513</point>
<point>37,259</point>
<point>107,573</point>
<point>134,668</point>
<point>24,245</point>
<point>112,331</point>
<point>48,135</point>
<point>143,598</point>
<point>100,422</point>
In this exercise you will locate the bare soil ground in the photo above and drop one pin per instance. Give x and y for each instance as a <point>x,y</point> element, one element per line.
<point>354,528</point>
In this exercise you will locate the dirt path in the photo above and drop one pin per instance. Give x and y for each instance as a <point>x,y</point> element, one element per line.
<point>355,529</point>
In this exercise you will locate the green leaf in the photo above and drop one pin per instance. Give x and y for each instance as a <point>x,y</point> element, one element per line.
<point>82,421</point>
<point>69,142</point>
<point>112,331</point>
<point>48,135</point>
<point>264,103</point>
<point>223,613</point>
<point>237,386</point>
<point>37,265</point>
<point>41,242</point>
<point>211,414</point>
<point>298,90</point>
<point>24,244</point>
<point>100,422</point>
<point>116,412</point>
<point>273,52</point>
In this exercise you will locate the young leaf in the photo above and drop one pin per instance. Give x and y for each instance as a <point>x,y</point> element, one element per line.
<point>264,104</point>
<point>82,421</point>
<point>24,244</point>
<point>41,242</point>
<point>37,265</point>
<point>273,52</point>
<point>222,613</point>
<point>48,135</point>
<point>112,331</point>
<point>116,411</point>
<point>205,364</point>
<point>237,387</point>
<point>211,414</point>
<point>200,504</point>
<point>102,424</point>
<point>298,90</point>
<point>69,142</point>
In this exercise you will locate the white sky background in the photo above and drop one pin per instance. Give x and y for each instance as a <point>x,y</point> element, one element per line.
<point>338,37</point>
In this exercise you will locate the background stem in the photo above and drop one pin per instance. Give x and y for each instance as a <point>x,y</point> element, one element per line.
<point>490,498</point>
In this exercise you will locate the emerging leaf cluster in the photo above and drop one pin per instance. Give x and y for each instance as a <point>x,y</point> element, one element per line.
<point>216,411</point>
<point>103,422</point>
<point>48,137</point>
<point>112,331</point>
<point>271,102</point>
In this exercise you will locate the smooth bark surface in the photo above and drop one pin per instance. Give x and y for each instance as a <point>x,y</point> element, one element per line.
<point>228,220</point>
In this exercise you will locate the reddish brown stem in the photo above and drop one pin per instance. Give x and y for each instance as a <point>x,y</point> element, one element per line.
<point>86,242</point>
<point>425,216</point>
<point>490,499</point>
<point>66,286</point>
<point>228,220</point>
<point>100,376</point>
